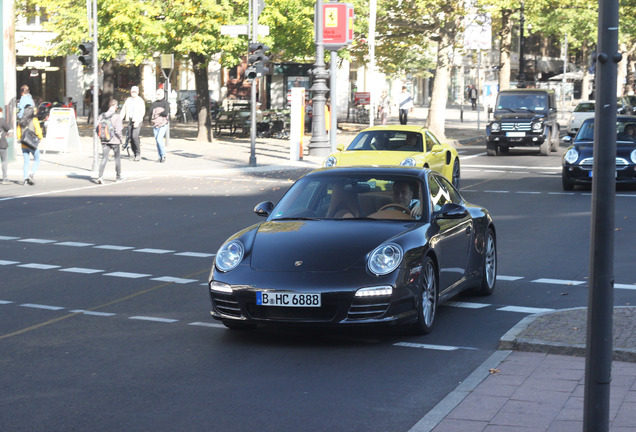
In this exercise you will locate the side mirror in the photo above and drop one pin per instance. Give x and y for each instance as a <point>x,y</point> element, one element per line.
<point>567,139</point>
<point>264,209</point>
<point>340,147</point>
<point>451,211</point>
<point>437,148</point>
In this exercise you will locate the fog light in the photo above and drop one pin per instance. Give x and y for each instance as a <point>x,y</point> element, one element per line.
<point>375,291</point>
<point>220,287</point>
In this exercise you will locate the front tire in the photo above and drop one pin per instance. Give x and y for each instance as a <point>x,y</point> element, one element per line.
<point>492,149</point>
<point>427,303</point>
<point>567,184</point>
<point>555,140</point>
<point>489,270</point>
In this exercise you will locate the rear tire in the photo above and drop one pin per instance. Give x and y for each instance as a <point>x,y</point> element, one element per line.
<point>456,174</point>
<point>427,303</point>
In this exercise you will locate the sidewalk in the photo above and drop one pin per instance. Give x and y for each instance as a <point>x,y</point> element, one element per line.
<point>533,383</point>
<point>226,155</point>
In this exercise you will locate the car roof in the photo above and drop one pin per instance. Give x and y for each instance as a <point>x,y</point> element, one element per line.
<point>527,90</point>
<point>619,118</point>
<point>401,128</point>
<point>373,170</point>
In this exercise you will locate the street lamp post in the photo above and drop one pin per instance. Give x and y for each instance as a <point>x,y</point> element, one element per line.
<point>521,77</point>
<point>319,142</point>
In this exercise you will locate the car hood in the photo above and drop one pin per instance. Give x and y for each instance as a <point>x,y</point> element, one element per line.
<point>371,157</point>
<point>302,246</point>
<point>622,148</point>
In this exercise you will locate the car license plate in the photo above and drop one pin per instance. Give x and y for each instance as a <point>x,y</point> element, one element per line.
<point>287,299</point>
<point>615,174</point>
<point>515,134</point>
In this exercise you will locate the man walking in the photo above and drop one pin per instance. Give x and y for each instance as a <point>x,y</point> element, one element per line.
<point>114,140</point>
<point>159,116</point>
<point>133,111</point>
<point>405,104</point>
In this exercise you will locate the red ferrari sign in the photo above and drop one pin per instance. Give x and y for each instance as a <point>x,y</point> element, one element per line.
<point>337,29</point>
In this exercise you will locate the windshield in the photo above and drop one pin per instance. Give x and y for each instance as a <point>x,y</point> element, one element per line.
<point>625,131</point>
<point>346,197</point>
<point>522,102</point>
<point>387,140</point>
<point>585,107</point>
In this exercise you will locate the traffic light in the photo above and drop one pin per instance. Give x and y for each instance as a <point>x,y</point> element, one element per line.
<point>86,58</point>
<point>256,61</point>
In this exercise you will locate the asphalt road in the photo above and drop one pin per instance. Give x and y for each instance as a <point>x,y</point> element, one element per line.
<point>105,325</point>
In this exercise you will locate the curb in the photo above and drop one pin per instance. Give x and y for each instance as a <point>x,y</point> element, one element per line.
<point>521,337</point>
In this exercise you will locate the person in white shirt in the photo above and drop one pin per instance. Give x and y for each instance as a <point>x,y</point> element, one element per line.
<point>133,111</point>
<point>405,104</point>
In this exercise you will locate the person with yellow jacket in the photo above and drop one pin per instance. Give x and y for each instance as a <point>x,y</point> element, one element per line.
<point>29,121</point>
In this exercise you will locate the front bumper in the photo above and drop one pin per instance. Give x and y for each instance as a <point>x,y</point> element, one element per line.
<point>576,174</point>
<point>528,140</point>
<point>339,305</point>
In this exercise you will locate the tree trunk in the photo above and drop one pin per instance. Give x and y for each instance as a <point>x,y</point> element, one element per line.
<point>200,68</point>
<point>108,85</point>
<point>504,50</point>
<point>439,97</point>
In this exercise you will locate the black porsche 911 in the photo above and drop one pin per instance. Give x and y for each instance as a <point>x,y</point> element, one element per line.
<point>351,246</point>
<point>578,159</point>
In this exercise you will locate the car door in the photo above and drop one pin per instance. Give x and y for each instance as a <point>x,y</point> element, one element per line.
<point>454,235</point>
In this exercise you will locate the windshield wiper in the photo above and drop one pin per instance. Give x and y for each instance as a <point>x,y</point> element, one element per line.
<point>295,218</point>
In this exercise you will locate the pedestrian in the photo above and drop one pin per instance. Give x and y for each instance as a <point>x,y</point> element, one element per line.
<point>133,111</point>
<point>29,123</point>
<point>25,99</point>
<point>4,146</point>
<point>384,107</point>
<point>88,103</point>
<point>405,104</point>
<point>159,117</point>
<point>472,93</point>
<point>115,141</point>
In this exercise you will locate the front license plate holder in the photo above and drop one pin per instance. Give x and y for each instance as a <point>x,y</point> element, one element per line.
<point>288,299</point>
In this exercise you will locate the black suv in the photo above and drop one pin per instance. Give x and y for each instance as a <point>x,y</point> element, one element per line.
<point>524,118</point>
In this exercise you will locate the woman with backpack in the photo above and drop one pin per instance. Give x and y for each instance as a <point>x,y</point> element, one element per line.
<point>29,134</point>
<point>109,130</point>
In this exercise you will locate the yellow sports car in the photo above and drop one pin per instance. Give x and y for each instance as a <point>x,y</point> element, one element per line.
<point>398,145</point>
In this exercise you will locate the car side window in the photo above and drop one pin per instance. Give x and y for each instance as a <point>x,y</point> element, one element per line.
<point>441,192</point>
<point>430,142</point>
<point>453,195</point>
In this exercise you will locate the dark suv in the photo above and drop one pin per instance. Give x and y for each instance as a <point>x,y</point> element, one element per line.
<point>524,118</point>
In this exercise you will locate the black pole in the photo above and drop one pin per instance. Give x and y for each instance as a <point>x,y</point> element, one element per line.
<point>598,357</point>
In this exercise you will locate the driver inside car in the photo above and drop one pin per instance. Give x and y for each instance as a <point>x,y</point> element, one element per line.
<point>403,194</point>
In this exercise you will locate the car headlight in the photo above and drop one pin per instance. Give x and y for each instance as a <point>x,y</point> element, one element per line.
<point>632,156</point>
<point>329,162</point>
<point>385,258</point>
<point>495,127</point>
<point>572,156</point>
<point>537,127</point>
<point>408,162</point>
<point>229,255</point>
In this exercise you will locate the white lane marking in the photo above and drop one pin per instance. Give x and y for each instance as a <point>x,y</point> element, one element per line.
<point>174,280</point>
<point>8,238</point>
<point>204,324</point>
<point>74,244</point>
<point>625,286</point>
<point>497,191</point>
<point>529,192</point>
<point>3,262</point>
<point>41,306</point>
<point>430,347</point>
<point>5,302</point>
<point>39,266</point>
<point>526,310</point>
<point>155,319</point>
<point>558,281</point>
<point>35,240</point>
<point>127,275</point>
<point>473,156</point>
<point>93,313</point>
<point>513,167</point>
<point>195,254</point>
<point>64,190</point>
<point>509,278</point>
<point>81,270</point>
<point>113,247</point>
<point>467,305</point>
<point>154,251</point>
<point>562,193</point>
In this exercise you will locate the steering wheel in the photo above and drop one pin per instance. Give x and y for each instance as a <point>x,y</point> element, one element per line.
<point>395,206</point>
